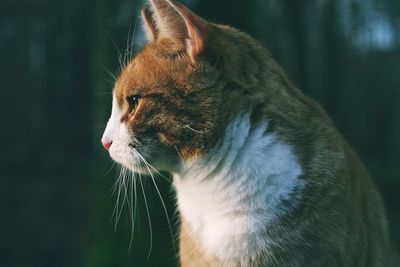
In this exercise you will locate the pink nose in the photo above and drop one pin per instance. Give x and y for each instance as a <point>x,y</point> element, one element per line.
<point>106,144</point>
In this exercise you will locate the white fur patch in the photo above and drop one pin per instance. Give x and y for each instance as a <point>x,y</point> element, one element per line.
<point>231,195</point>
<point>118,133</point>
<point>113,123</point>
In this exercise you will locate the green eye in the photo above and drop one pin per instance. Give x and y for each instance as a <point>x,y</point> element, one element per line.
<point>133,102</point>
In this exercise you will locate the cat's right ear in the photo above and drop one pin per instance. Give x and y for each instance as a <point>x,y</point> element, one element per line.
<point>149,25</point>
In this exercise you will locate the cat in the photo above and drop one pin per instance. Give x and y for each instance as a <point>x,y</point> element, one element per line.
<point>262,176</point>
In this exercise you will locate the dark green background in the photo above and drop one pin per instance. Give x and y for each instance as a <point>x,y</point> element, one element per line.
<point>55,199</point>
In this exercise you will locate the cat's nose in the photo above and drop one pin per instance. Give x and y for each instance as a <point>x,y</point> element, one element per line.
<point>106,144</point>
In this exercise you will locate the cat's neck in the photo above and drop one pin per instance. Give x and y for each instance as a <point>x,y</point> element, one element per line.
<point>229,196</point>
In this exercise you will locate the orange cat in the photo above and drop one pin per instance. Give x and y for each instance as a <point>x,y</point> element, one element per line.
<point>262,176</point>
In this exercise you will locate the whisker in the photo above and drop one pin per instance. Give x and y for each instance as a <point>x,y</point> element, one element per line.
<point>109,170</point>
<point>125,187</point>
<point>122,188</point>
<point>115,186</point>
<point>128,53</point>
<point>103,93</point>
<point>112,75</point>
<point>179,154</point>
<point>130,204</point>
<point>118,51</point>
<point>133,38</point>
<point>154,169</point>
<point>190,128</point>
<point>116,206</point>
<point>120,200</point>
<point>133,217</point>
<point>127,45</point>
<point>149,219</point>
<point>107,80</point>
<point>147,165</point>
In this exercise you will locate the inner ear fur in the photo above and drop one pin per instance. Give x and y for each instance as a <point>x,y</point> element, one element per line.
<point>167,20</point>
<point>149,25</point>
<point>174,21</point>
<point>197,30</point>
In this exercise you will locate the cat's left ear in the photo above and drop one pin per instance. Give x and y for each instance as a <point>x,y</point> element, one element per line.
<point>149,25</point>
<point>197,30</point>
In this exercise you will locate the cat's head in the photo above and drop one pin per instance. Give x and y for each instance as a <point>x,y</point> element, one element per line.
<point>173,100</point>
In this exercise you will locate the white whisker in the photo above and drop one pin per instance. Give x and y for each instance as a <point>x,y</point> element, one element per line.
<point>152,168</point>
<point>147,165</point>
<point>130,204</point>
<point>148,217</point>
<point>109,170</point>
<point>196,131</point>
<point>116,206</point>
<point>133,38</point>
<point>112,75</point>
<point>116,183</point>
<point>122,188</point>
<point>179,154</point>
<point>125,60</point>
<point>118,52</point>
<point>133,198</point>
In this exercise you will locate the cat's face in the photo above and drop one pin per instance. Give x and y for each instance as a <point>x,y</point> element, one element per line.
<point>162,110</point>
<point>170,103</point>
<point>164,101</point>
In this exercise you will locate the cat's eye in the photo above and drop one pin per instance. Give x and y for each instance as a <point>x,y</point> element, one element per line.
<point>133,102</point>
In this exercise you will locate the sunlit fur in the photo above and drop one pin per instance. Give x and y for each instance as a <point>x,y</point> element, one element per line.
<point>234,192</point>
<point>263,178</point>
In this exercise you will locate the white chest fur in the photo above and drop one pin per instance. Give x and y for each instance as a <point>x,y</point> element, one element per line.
<point>230,195</point>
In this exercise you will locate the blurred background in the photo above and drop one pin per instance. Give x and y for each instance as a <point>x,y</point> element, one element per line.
<point>56,57</point>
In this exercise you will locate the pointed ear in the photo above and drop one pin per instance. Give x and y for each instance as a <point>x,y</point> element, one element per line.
<point>149,25</point>
<point>175,21</point>
<point>197,30</point>
<point>168,22</point>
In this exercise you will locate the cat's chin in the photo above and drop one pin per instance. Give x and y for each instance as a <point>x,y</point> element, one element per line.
<point>142,170</point>
<point>137,168</point>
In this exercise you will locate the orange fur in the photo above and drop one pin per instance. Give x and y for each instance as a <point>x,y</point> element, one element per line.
<point>193,78</point>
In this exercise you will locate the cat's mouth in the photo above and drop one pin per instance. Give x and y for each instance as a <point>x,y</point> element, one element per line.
<point>130,158</point>
<point>138,166</point>
<point>141,163</point>
<point>139,169</point>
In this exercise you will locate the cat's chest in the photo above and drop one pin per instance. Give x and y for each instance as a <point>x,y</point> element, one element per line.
<point>229,205</point>
<point>220,224</point>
